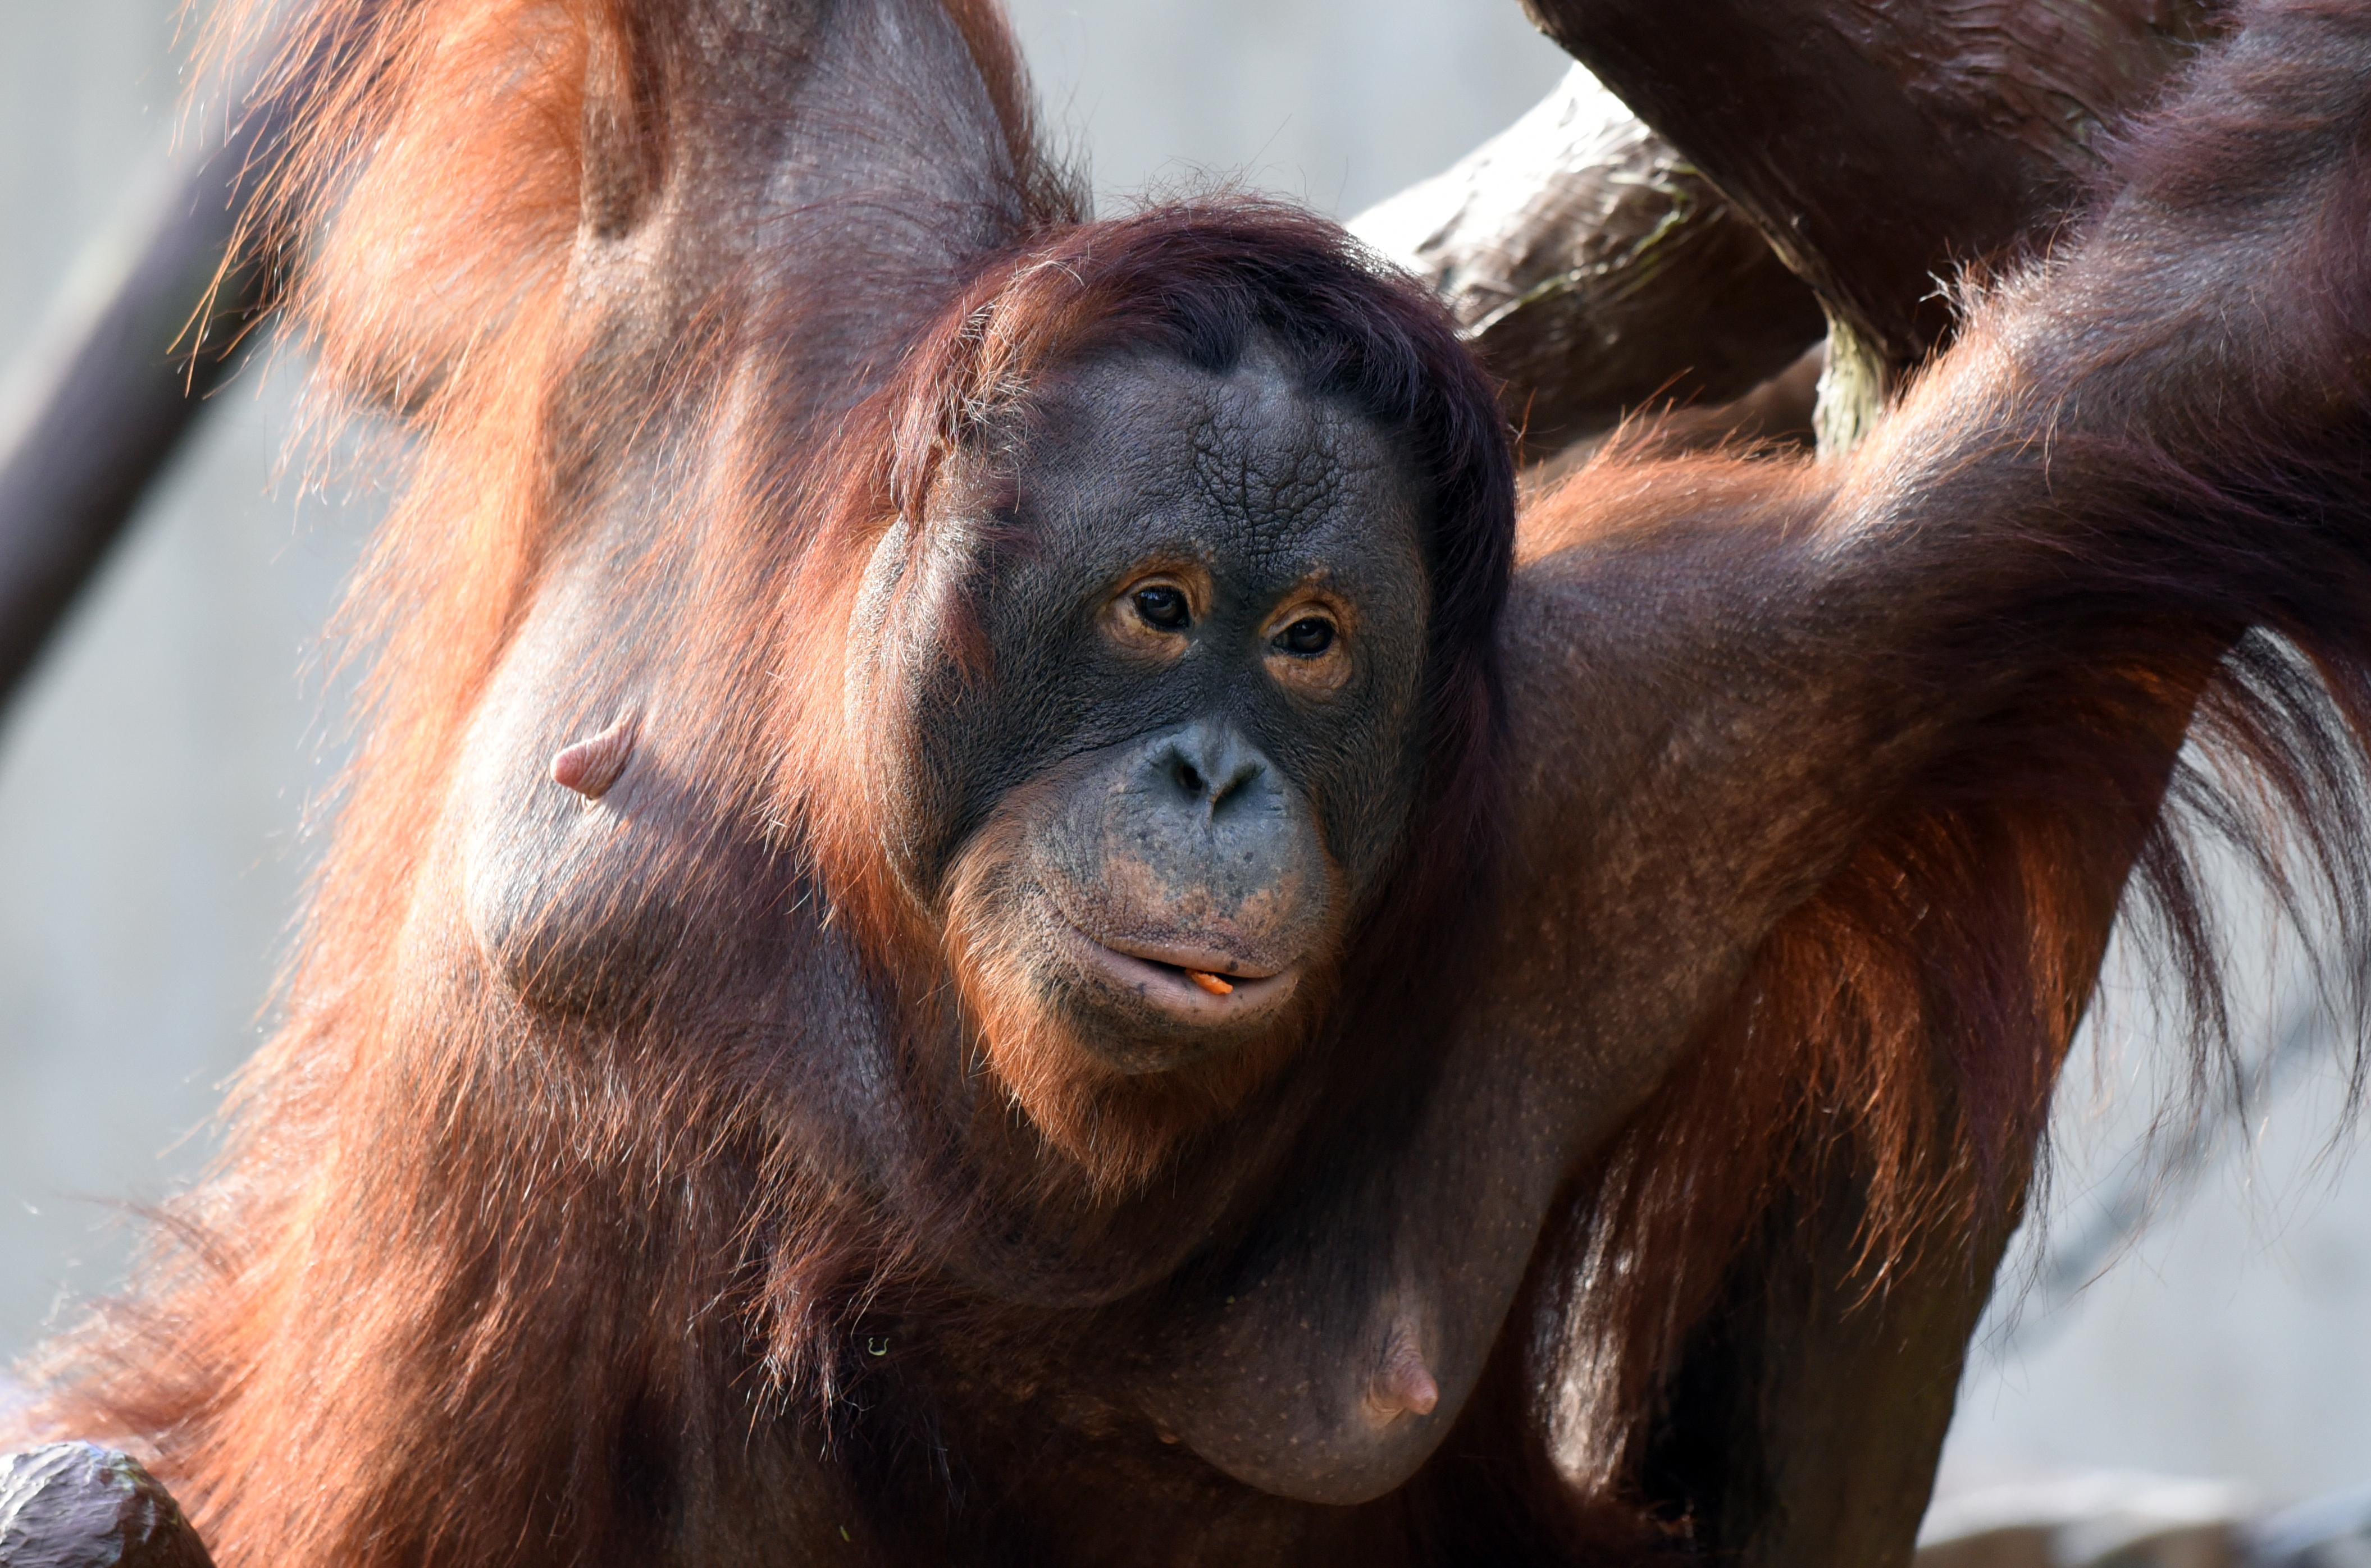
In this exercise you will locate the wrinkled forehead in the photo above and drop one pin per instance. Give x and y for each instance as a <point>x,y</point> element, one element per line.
<point>1247,456</point>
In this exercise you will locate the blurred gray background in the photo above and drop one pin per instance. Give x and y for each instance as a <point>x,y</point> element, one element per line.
<point>155,778</point>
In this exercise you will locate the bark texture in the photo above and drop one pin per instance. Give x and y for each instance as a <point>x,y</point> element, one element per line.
<point>1596,269</point>
<point>1881,147</point>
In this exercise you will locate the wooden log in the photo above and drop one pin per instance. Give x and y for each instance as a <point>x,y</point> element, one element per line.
<point>1882,147</point>
<point>79,1506</point>
<point>1596,271</point>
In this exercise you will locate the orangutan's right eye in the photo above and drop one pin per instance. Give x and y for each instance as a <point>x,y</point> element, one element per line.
<point>1162,606</point>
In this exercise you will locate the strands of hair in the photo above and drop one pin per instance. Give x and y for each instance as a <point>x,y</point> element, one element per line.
<point>523,1273</point>
<point>1901,1031</point>
<point>461,183</point>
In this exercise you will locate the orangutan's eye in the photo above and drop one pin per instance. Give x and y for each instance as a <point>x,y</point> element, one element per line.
<point>1305,650</point>
<point>1163,606</point>
<point>1309,636</point>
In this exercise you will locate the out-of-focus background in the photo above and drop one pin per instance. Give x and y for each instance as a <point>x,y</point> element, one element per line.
<point>154,776</point>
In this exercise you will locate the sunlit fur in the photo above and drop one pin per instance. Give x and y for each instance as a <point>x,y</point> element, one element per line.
<point>1120,1128</point>
<point>1901,1031</point>
<point>1179,282</point>
<point>392,1149</point>
<point>464,1278</point>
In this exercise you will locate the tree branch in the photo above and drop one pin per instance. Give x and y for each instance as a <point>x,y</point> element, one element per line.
<point>1881,147</point>
<point>1599,266</point>
<point>1595,270</point>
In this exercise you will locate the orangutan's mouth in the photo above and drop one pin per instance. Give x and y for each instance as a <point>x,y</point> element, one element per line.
<point>1193,985</point>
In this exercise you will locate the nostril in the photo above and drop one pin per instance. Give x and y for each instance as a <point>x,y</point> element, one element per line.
<point>1244,774</point>
<point>1208,771</point>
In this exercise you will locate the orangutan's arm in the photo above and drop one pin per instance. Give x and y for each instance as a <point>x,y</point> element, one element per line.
<point>1747,698</point>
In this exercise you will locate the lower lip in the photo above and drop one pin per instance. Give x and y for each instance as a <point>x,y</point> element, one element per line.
<point>1166,987</point>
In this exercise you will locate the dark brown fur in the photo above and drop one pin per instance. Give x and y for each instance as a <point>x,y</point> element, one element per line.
<point>1774,830</point>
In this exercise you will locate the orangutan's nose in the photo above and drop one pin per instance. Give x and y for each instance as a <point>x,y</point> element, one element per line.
<point>1212,770</point>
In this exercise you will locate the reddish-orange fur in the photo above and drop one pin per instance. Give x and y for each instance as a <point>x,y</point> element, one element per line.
<point>1119,1129</point>
<point>469,1281</point>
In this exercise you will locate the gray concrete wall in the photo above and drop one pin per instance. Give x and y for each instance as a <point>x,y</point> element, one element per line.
<point>154,779</point>
<point>2231,1337</point>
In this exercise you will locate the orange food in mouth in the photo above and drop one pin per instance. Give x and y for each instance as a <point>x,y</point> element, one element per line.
<point>1209,983</point>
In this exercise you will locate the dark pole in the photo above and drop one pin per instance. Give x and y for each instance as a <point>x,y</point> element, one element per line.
<point>95,415</point>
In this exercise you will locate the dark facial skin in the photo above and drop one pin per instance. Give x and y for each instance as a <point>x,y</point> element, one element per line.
<point>1201,604</point>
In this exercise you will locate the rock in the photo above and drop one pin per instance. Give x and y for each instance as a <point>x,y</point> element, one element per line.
<point>79,1506</point>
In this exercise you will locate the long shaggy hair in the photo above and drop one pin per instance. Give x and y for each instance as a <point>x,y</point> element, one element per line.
<point>372,1277</point>
<point>2165,635</point>
<point>477,1283</point>
<point>1200,282</point>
